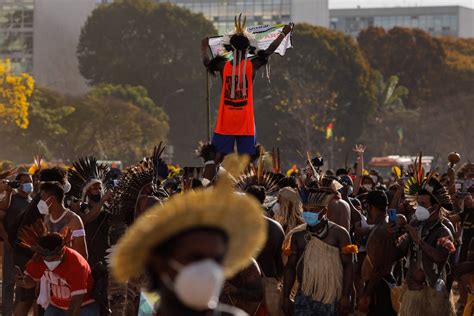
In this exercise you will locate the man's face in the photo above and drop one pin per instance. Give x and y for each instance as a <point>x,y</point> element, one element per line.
<point>95,189</point>
<point>316,209</point>
<point>373,213</point>
<point>424,200</point>
<point>189,248</point>
<point>57,257</point>
<point>25,178</point>
<point>469,202</point>
<point>48,197</point>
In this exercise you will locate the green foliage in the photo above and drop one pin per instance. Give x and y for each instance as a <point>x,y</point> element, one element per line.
<point>389,94</point>
<point>136,95</point>
<point>411,54</point>
<point>156,46</point>
<point>105,123</point>
<point>325,76</point>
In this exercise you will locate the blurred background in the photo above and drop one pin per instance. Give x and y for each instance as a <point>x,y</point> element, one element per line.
<point>113,78</point>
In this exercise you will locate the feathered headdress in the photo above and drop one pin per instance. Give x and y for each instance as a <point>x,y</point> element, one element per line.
<point>418,183</point>
<point>131,183</point>
<point>257,175</point>
<point>84,173</point>
<point>240,42</point>
<point>37,166</point>
<point>30,235</point>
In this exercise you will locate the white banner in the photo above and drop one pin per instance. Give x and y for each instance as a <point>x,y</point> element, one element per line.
<point>265,35</point>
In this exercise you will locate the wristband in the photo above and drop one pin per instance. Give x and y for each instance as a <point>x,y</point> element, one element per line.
<point>209,162</point>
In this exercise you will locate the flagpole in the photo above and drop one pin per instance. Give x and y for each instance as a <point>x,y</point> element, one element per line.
<point>208,105</point>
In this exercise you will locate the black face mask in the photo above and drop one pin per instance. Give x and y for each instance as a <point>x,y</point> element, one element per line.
<point>95,197</point>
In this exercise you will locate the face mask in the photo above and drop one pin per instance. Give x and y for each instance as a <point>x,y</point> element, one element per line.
<point>375,179</point>
<point>199,284</point>
<point>52,264</point>
<point>67,187</point>
<point>422,213</point>
<point>27,187</point>
<point>276,208</point>
<point>368,187</point>
<point>95,198</point>
<point>312,219</point>
<point>43,207</point>
<point>350,190</point>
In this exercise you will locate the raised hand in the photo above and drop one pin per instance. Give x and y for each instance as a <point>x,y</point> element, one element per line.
<point>359,149</point>
<point>288,28</point>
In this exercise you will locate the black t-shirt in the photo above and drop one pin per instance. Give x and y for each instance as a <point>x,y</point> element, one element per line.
<point>467,218</point>
<point>14,215</point>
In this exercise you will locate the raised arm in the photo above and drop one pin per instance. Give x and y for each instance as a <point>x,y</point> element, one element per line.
<point>359,150</point>
<point>262,59</point>
<point>274,45</point>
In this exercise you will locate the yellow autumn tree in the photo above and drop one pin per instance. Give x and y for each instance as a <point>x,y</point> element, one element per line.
<point>15,91</point>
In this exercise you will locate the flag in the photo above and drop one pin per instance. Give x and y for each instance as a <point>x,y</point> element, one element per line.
<point>329,131</point>
<point>265,35</point>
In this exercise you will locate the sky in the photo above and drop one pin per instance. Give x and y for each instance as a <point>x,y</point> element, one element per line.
<point>336,4</point>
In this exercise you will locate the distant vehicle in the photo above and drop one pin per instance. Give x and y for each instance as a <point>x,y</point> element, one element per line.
<point>385,164</point>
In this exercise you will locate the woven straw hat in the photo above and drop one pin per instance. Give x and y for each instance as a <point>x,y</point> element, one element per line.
<point>238,215</point>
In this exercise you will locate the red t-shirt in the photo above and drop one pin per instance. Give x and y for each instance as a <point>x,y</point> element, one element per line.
<point>72,277</point>
<point>236,114</point>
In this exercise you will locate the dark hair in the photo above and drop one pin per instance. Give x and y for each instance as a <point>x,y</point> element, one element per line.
<point>240,42</point>
<point>22,174</point>
<point>287,182</point>
<point>341,172</point>
<point>378,199</point>
<point>50,241</point>
<point>53,174</point>
<point>166,247</point>
<point>433,201</point>
<point>257,191</point>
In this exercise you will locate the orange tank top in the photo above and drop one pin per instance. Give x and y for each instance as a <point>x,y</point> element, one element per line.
<point>236,112</point>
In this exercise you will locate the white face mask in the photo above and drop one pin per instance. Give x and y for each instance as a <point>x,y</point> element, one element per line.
<point>276,208</point>
<point>199,284</point>
<point>422,213</point>
<point>375,179</point>
<point>52,264</point>
<point>43,207</point>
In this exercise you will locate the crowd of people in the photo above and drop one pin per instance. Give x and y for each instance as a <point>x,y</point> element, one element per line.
<point>237,237</point>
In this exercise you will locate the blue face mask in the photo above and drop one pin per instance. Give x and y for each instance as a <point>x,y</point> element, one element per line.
<point>312,219</point>
<point>27,187</point>
<point>350,190</point>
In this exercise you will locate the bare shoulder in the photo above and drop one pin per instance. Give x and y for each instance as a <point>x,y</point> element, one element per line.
<point>76,221</point>
<point>339,231</point>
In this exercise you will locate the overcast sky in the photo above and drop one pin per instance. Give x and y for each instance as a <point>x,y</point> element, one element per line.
<point>333,4</point>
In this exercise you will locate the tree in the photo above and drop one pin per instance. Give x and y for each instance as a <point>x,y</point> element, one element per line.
<point>385,130</point>
<point>324,79</point>
<point>15,90</point>
<point>66,128</point>
<point>459,74</point>
<point>45,132</point>
<point>136,95</point>
<point>113,129</point>
<point>413,55</point>
<point>156,46</point>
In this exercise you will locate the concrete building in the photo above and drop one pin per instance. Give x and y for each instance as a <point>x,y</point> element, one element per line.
<point>258,12</point>
<point>41,36</point>
<point>445,20</point>
<point>57,28</point>
<point>16,33</point>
